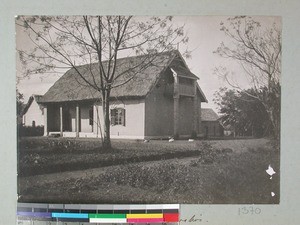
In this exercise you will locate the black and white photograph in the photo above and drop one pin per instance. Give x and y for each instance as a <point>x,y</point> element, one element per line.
<point>148,109</point>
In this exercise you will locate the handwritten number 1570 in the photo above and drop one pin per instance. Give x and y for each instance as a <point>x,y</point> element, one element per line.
<point>249,211</point>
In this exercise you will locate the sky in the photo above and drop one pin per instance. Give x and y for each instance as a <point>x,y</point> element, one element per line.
<point>204,38</point>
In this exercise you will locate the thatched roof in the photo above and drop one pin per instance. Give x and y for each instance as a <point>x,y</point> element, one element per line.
<point>71,87</point>
<point>208,114</point>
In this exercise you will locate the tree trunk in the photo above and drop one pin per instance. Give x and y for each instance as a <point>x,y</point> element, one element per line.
<point>275,123</point>
<point>273,108</point>
<point>105,108</point>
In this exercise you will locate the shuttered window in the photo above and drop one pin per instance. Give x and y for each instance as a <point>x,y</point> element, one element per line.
<point>117,116</point>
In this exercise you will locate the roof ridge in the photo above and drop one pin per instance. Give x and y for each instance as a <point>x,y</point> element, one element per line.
<point>130,57</point>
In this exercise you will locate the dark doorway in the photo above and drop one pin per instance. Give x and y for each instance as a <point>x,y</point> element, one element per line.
<point>206,131</point>
<point>67,120</point>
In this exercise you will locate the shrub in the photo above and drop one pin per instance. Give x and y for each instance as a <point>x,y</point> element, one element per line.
<point>26,131</point>
<point>171,176</point>
<point>209,154</point>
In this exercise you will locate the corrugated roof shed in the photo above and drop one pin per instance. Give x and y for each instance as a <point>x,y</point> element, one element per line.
<point>208,114</point>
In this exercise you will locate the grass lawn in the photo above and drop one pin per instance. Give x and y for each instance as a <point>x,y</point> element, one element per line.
<point>220,171</point>
<point>50,155</point>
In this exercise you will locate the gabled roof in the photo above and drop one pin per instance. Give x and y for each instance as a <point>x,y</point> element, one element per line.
<point>181,68</point>
<point>208,114</point>
<point>37,98</point>
<point>71,87</point>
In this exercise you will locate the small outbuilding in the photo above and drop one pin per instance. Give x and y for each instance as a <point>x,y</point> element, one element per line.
<point>211,125</point>
<point>33,112</point>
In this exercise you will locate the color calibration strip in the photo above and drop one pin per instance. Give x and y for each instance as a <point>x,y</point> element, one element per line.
<point>100,213</point>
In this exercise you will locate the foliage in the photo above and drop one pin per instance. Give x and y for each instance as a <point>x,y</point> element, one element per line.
<point>258,51</point>
<point>20,103</point>
<point>62,42</point>
<point>246,115</point>
<point>165,176</point>
<point>28,131</point>
<point>209,153</point>
<point>20,108</point>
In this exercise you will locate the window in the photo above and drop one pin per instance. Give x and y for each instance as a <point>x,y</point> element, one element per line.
<point>117,116</point>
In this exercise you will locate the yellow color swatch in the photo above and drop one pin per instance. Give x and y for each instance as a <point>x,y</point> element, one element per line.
<point>144,216</point>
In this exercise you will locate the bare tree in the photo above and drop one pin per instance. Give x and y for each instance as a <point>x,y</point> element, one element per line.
<point>258,50</point>
<point>63,42</point>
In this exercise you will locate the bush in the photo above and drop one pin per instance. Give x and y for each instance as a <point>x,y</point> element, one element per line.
<point>171,176</point>
<point>26,131</point>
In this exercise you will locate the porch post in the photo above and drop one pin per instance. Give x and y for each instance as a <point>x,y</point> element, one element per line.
<point>61,120</point>
<point>176,116</point>
<point>176,104</point>
<point>45,121</point>
<point>77,120</point>
<point>95,119</point>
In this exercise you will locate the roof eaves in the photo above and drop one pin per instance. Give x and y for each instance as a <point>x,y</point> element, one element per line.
<point>112,98</point>
<point>202,94</point>
<point>184,76</point>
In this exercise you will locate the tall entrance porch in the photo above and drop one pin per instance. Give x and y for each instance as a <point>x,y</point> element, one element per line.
<point>71,119</point>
